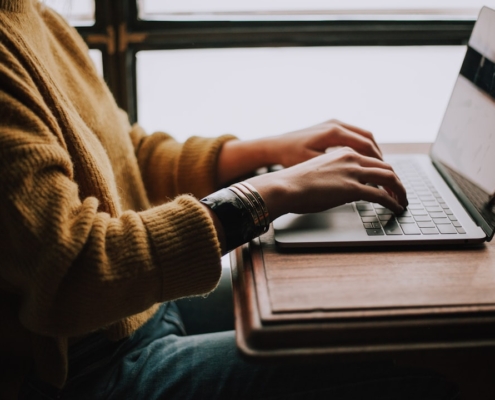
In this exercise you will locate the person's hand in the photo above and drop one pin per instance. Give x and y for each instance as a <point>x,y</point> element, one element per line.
<point>330,180</point>
<point>295,147</point>
<point>238,158</point>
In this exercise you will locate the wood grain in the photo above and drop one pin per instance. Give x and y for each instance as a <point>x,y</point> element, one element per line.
<point>377,279</point>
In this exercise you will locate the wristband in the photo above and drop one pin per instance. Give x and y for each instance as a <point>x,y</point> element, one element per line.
<point>234,216</point>
<point>241,211</point>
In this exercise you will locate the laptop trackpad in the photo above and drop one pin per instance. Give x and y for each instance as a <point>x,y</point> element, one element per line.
<point>340,224</point>
<point>332,220</point>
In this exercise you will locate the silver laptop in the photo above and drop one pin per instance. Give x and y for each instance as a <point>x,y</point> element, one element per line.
<point>450,192</point>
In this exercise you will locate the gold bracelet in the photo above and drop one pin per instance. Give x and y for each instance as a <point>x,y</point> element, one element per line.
<point>260,201</point>
<point>251,208</point>
<point>258,206</point>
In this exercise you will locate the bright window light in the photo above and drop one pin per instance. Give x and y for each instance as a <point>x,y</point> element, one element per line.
<point>97,58</point>
<point>310,9</point>
<point>78,13</point>
<point>399,93</point>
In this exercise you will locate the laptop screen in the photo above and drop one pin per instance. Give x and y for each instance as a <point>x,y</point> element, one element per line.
<point>464,150</point>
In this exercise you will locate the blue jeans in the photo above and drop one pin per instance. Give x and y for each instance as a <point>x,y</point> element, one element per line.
<point>159,361</point>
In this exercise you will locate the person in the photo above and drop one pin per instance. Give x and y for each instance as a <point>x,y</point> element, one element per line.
<point>102,228</point>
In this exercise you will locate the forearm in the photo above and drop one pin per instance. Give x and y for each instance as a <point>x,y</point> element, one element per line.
<point>239,158</point>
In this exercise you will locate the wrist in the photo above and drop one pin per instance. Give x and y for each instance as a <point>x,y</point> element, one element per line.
<point>239,158</point>
<point>274,191</point>
<point>268,149</point>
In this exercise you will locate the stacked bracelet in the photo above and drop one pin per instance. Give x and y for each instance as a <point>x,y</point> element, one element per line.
<point>250,197</point>
<point>241,211</point>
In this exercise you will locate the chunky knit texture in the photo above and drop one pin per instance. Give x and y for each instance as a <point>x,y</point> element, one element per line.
<point>81,249</point>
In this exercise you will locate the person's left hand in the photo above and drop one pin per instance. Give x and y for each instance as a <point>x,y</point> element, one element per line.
<point>238,157</point>
<point>295,147</point>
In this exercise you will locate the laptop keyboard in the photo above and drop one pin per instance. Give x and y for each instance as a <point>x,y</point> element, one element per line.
<point>427,213</point>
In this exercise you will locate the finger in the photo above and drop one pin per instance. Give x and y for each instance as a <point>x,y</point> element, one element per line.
<point>360,131</point>
<point>359,143</point>
<point>372,162</point>
<point>380,196</point>
<point>369,162</point>
<point>388,179</point>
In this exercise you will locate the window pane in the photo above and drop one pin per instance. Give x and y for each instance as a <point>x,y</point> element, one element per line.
<point>97,58</point>
<point>399,93</point>
<point>78,13</point>
<point>310,9</point>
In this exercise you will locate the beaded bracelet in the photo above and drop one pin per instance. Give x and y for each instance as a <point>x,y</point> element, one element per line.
<point>241,211</point>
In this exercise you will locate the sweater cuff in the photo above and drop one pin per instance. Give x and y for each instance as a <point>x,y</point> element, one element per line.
<point>197,166</point>
<point>185,246</point>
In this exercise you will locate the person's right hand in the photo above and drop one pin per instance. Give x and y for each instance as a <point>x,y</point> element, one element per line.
<point>328,181</point>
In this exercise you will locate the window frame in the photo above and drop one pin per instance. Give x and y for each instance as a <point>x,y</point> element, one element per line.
<point>119,34</point>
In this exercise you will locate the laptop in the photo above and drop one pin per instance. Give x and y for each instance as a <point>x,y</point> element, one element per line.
<point>450,191</point>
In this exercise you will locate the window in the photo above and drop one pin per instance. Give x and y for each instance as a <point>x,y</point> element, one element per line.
<point>399,93</point>
<point>266,66</point>
<point>96,56</point>
<point>78,13</point>
<point>270,10</point>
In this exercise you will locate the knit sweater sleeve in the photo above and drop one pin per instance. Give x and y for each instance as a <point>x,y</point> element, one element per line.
<point>74,267</point>
<point>170,168</point>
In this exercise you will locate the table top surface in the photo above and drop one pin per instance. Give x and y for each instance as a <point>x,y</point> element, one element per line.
<point>279,293</point>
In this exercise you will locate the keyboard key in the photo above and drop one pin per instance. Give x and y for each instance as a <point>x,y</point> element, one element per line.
<point>447,229</point>
<point>461,230</point>
<point>431,204</point>
<point>413,200</point>
<point>376,225</point>
<point>457,224</point>
<point>441,221</point>
<point>452,217</point>
<point>368,225</point>
<point>437,215</point>
<point>448,211</point>
<point>369,219</point>
<point>364,207</point>
<point>376,205</point>
<point>426,198</point>
<point>422,218</point>
<point>367,213</point>
<point>444,205</point>
<point>383,211</point>
<point>374,232</point>
<point>392,228</point>
<point>429,231</point>
<point>426,224</point>
<point>415,207</point>
<point>410,229</point>
<point>419,212</point>
<point>434,209</point>
<point>405,220</point>
<point>385,217</point>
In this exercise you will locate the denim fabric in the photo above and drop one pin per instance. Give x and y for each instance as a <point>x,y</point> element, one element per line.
<point>160,362</point>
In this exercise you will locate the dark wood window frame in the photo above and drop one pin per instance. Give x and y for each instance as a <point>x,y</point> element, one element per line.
<point>119,34</point>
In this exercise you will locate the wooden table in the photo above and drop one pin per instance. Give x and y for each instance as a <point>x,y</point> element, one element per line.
<point>421,305</point>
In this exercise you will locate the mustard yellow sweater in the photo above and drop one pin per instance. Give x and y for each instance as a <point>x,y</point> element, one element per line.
<point>81,249</point>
